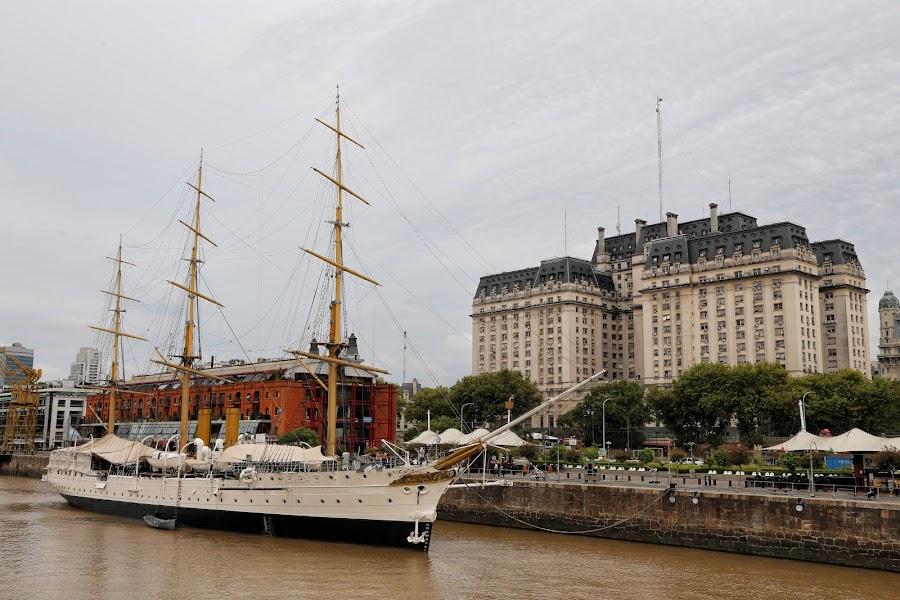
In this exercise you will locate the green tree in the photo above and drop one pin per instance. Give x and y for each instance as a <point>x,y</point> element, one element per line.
<point>434,400</point>
<point>700,405</point>
<point>840,401</point>
<point>627,412</point>
<point>301,434</point>
<point>757,386</point>
<point>488,393</point>
<point>888,460</point>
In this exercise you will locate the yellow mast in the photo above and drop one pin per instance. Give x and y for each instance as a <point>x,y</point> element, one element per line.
<point>187,357</point>
<point>118,334</point>
<point>334,334</point>
<point>334,344</point>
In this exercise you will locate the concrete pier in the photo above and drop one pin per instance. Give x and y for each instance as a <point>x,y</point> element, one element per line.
<point>841,531</point>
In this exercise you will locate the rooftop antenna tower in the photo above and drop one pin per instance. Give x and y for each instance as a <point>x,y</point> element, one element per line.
<point>565,232</point>
<point>618,218</point>
<point>404,358</point>
<point>660,151</point>
<point>729,192</point>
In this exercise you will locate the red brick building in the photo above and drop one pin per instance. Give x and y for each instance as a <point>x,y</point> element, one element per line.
<point>274,396</point>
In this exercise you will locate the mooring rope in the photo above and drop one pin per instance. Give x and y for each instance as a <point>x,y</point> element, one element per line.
<point>538,527</point>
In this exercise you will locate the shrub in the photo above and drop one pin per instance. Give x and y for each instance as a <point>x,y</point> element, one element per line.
<point>789,461</point>
<point>621,456</point>
<point>529,451</point>
<point>888,460</point>
<point>645,456</point>
<point>591,452</point>
<point>677,455</point>
<point>739,456</point>
<point>718,457</point>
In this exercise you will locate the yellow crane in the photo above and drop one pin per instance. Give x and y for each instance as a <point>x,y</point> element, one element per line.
<point>21,418</point>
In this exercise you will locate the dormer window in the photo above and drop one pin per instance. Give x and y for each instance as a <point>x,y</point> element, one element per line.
<point>720,249</point>
<point>703,254</point>
<point>666,257</point>
<point>757,243</point>
<point>739,247</point>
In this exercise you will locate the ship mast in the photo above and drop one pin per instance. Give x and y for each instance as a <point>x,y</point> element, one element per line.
<point>334,344</point>
<point>117,334</point>
<point>186,368</point>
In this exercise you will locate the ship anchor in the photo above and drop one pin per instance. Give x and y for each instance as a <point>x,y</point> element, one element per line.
<point>414,536</point>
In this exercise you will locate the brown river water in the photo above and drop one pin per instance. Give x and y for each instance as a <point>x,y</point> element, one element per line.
<point>49,551</point>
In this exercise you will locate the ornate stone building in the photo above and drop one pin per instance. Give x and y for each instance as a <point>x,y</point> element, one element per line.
<point>654,302</point>
<point>889,336</point>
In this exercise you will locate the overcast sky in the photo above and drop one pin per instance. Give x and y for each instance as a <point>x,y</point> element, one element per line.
<point>484,124</point>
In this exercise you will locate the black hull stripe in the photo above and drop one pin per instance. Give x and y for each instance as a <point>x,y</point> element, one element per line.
<point>357,531</point>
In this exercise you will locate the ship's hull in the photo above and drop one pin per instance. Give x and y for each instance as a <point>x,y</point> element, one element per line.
<point>356,531</point>
<point>387,507</point>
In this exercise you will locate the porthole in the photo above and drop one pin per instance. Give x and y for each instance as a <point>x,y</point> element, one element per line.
<point>390,499</point>
<point>322,500</point>
<point>235,499</point>
<point>360,500</point>
<point>338,500</point>
<point>284,501</point>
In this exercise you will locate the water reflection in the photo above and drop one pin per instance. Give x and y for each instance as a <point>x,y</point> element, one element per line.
<point>51,550</point>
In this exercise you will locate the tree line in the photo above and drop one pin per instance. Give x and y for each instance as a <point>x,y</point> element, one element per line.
<point>760,400</point>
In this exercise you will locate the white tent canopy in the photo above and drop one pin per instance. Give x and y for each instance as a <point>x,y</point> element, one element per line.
<point>507,439</point>
<point>427,438</point>
<point>853,441</point>
<point>456,437</point>
<point>450,436</point>
<point>471,437</point>
<point>804,441</point>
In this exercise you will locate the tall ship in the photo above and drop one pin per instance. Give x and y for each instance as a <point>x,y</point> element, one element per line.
<point>231,480</point>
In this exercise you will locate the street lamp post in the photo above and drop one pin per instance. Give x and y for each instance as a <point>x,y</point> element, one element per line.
<point>590,412</point>
<point>691,444</point>
<point>509,406</point>
<point>812,481</point>
<point>604,427</point>
<point>461,411</point>
<point>803,411</point>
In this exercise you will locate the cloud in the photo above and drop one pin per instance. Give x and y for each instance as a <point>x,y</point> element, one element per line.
<point>502,117</point>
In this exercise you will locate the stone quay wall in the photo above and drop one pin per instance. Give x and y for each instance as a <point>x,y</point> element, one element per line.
<point>859,533</point>
<point>23,465</point>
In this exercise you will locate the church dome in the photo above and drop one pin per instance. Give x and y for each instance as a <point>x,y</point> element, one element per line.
<point>889,300</point>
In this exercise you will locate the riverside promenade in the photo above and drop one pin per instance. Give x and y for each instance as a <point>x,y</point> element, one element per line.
<point>713,512</point>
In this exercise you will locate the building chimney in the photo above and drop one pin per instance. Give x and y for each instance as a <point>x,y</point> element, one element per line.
<point>638,226</point>
<point>671,224</point>
<point>352,349</point>
<point>713,217</point>
<point>601,259</point>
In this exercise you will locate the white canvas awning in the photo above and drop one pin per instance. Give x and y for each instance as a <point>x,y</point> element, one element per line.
<point>113,449</point>
<point>271,453</point>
